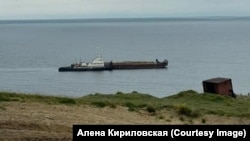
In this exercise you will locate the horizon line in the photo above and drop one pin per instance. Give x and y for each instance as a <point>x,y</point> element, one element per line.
<point>124,19</point>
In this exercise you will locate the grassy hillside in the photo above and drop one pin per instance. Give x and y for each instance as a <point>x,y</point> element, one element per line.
<point>188,103</point>
<point>37,117</point>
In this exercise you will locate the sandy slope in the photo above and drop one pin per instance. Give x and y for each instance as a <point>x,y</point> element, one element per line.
<point>39,121</point>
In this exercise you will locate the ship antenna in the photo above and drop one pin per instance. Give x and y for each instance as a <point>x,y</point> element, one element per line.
<point>98,50</point>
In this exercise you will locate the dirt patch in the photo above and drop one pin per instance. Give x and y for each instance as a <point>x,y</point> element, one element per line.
<point>39,121</point>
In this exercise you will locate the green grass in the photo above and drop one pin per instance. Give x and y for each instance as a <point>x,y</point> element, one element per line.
<point>186,103</point>
<point>7,96</point>
<point>211,103</point>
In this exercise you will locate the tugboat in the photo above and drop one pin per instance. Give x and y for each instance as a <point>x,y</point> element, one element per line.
<point>98,64</point>
<point>95,65</point>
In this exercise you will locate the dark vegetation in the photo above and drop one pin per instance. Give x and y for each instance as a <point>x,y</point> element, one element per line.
<point>187,103</point>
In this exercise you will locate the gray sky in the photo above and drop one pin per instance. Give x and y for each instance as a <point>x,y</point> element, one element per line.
<point>57,9</point>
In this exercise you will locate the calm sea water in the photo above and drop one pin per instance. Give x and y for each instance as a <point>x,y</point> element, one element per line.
<point>31,53</point>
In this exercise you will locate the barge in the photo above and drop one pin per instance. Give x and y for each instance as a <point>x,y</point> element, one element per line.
<point>98,64</point>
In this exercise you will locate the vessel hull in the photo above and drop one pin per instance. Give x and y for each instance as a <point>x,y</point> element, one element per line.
<point>119,66</point>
